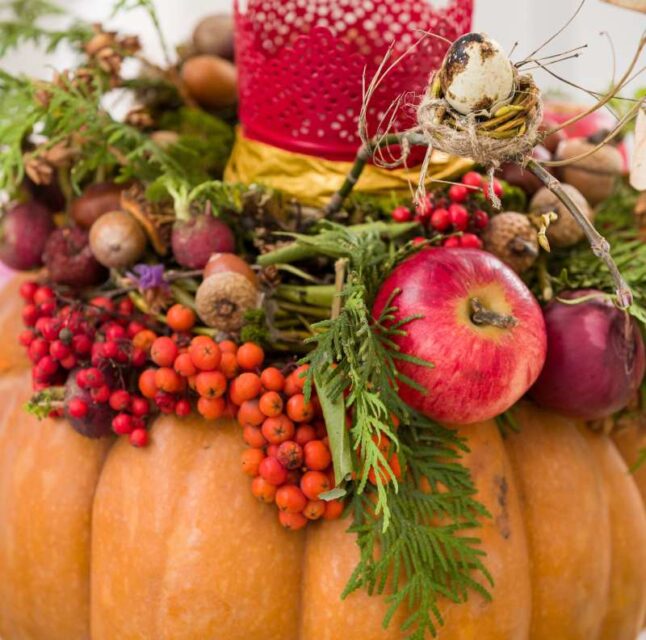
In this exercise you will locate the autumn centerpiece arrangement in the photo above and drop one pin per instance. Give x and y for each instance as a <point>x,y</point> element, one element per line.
<point>341,367</point>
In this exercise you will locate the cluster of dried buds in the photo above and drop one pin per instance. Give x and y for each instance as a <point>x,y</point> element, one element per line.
<point>41,163</point>
<point>107,49</point>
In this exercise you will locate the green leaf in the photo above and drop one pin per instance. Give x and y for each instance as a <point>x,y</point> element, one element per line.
<point>333,408</point>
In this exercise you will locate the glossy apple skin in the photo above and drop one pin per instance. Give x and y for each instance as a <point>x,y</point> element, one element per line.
<point>479,371</point>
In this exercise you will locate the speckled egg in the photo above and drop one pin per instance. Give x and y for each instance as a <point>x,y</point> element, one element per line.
<point>476,74</point>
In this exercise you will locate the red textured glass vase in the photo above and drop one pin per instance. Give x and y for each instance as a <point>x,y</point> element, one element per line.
<point>301,66</point>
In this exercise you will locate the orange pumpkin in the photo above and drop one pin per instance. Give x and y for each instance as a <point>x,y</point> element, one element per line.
<point>168,543</point>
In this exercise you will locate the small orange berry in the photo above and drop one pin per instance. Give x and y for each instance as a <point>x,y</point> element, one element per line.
<point>180,318</point>
<point>168,380</point>
<point>210,384</point>
<point>292,521</point>
<point>299,410</point>
<point>211,408</point>
<point>333,510</point>
<point>271,404</point>
<point>262,490</point>
<point>314,483</point>
<point>291,388</point>
<point>144,339</point>
<point>245,387</point>
<point>317,455</point>
<point>184,365</point>
<point>249,414</point>
<point>205,353</point>
<point>291,499</point>
<point>272,379</point>
<point>228,346</point>
<point>299,375</point>
<point>229,365</point>
<point>314,509</point>
<point>251,459</point>
<point>163,352</point>
<point>250,356</point>
<point>147,384</point>
<point>278,430</point>
<point>253,437</point>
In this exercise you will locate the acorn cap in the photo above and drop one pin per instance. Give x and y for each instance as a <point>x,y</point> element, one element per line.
<point>565,231</point>
<point>511,237</point>
<point>156,221</point>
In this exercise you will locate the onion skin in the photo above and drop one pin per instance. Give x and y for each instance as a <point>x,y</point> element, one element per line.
<point>595,358</point>
<point>479,371</point>
<point>24,231</point>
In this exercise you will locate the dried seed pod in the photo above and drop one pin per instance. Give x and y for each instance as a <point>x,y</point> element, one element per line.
<point>223,299</point>
<point>511,237</point>
<point>117,240</point>
<point>565,231</point>
<point>595,176</point>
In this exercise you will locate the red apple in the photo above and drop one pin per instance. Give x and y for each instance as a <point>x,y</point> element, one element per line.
<point>481,328</point>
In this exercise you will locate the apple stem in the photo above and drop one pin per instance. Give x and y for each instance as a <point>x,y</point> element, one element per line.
<point>484,317</point>
<point>599,245</point>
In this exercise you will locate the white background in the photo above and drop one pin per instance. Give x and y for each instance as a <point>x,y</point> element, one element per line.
<point>530,22</point>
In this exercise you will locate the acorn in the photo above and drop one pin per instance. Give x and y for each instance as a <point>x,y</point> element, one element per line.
<point>117,240</point>
<point>565,231</point>
<point>211,81</point>
<point>595,176</point>
<point>511,237</point>
<point>213,36</point>
<point>223,299</point>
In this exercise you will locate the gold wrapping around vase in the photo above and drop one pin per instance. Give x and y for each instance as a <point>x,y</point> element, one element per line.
<point>313,181</point>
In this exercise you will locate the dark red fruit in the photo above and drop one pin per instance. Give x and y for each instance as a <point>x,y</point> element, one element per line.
<point>24,230</point>
<point>97,422</point>
<point>290,454</point>
<point>458,193</point>
<point>480,219</point>
<point>96,200</point>
<point>139,438</point>
<point>28,291</point>
<point>459,217</point>
<point>122,424</point>
<point>139,406</point>
<point>472,179</point>
<point>69,259</point>
<point>401,214</point>
<point>183,408</point>
<point>195,240</point>
<point>120,400</point>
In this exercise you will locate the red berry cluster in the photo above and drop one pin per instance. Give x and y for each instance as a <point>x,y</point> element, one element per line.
<point>95,340</point>
<point>456,209</point>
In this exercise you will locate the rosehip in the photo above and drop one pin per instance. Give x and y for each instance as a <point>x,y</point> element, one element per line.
<point>59,350</point>
<point>253,437</point>
<point>441,219</point>
<point>30,315</point>
<point>120,400</point>
<point>263,490</point>
<point>452,242</point>
<point>139,438</point>
<point>26,337</point>
<point>314,509</point>
<point>401,214</point>
<point>122,424</point>
<point>139,406</point>
<point>77,408</point>
<point>101,395</point>
<point>458,193</point>
<point>183,408</point>
<point>94,378</point>
<point>28,290</point>
<point>480,219</point>
<point>459,217</point>
<point>333,510</point>
<point>472,179</point>
<point>470,241</point>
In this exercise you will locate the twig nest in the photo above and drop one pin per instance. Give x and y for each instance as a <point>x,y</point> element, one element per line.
<point>512,237</point>
<point>565,231</point>
<point>595,176</point>
<point>223,299</point>
<point>476,74</point>
<point>117,240</point>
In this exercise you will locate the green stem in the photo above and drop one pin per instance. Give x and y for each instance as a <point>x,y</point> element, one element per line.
<point>313,312</point>
<point>364,154</point>
<point>599,245</point>
<point>302,250</point>
<point>318,296</point>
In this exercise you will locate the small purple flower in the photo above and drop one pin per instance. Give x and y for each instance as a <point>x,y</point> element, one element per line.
<point>148,276</point>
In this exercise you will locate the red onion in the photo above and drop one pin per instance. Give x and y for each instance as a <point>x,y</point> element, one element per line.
<point>595,357</point>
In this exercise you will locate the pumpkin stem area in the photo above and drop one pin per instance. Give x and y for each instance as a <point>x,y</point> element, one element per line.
<point>483,317</point>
